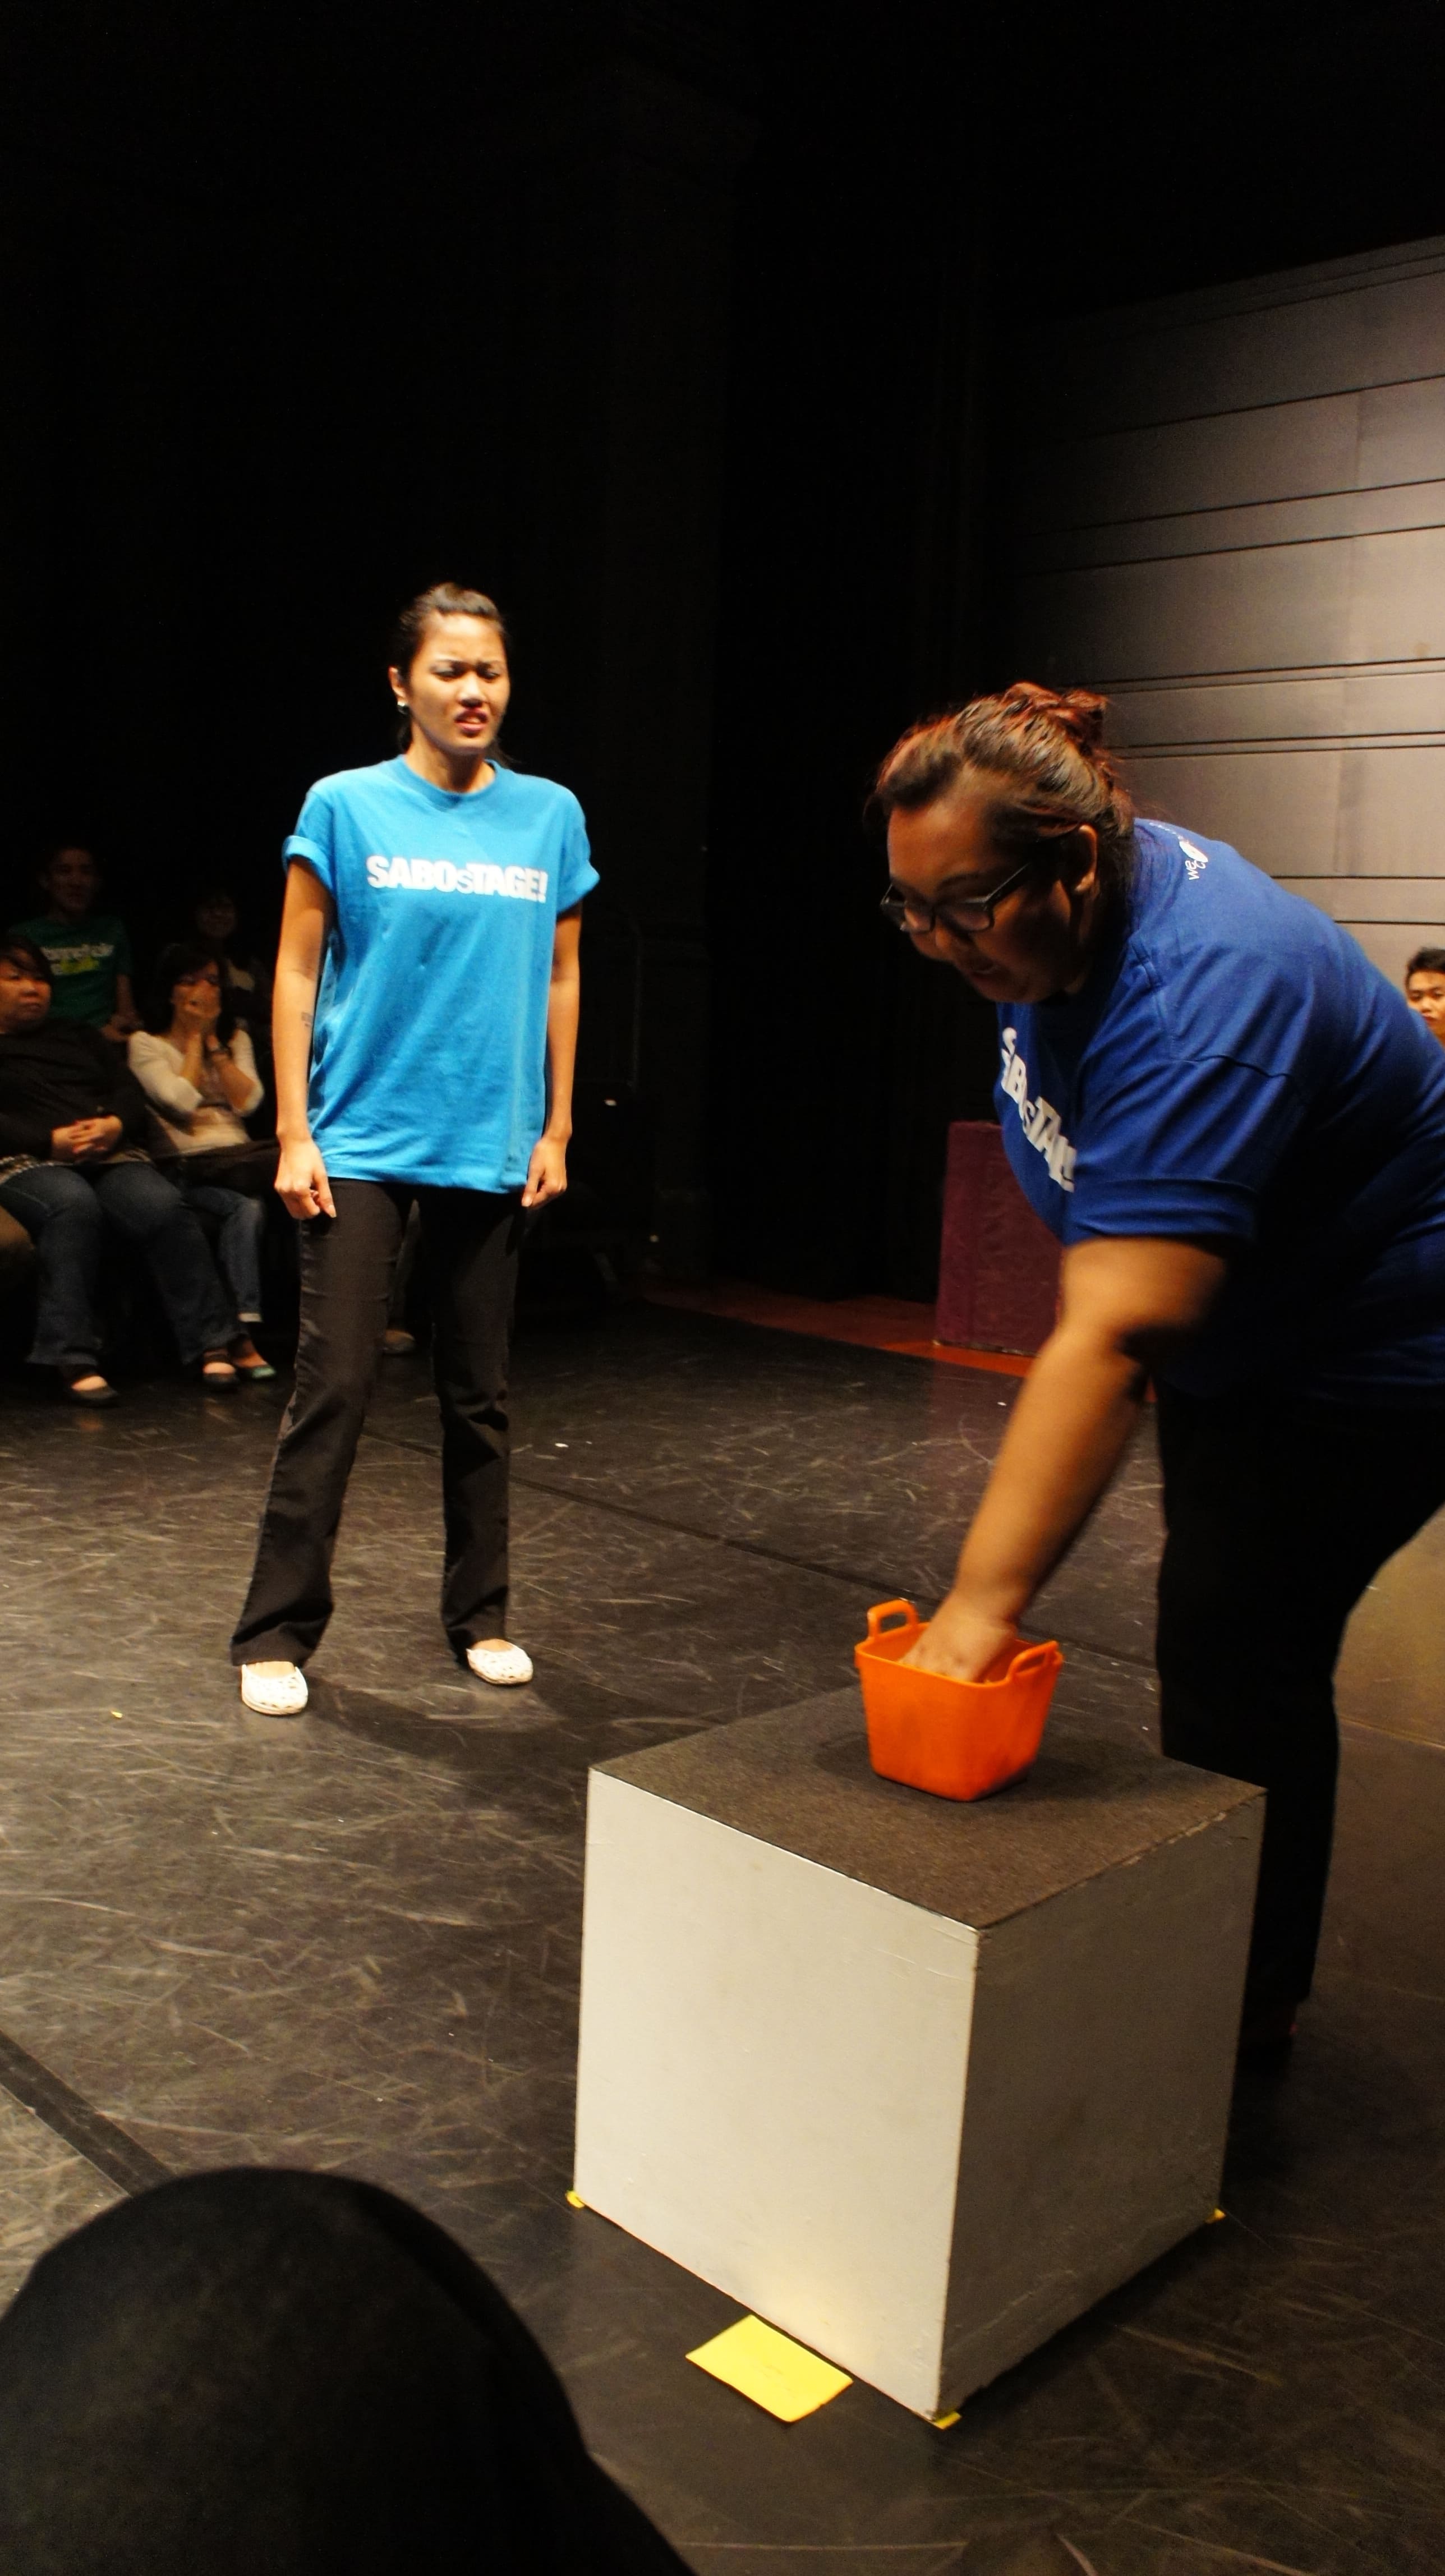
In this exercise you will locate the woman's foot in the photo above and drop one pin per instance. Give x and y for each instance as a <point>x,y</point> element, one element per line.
<point>274,1689</point>
<point>247,1362</point>
<point>87,1386</point>
<point>217,1373</point>
<point>494,1661</point>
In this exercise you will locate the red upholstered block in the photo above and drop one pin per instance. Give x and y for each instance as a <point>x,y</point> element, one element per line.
<point>998,1281</point>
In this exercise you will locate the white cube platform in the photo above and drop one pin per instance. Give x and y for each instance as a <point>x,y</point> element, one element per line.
<point>916,2082</point>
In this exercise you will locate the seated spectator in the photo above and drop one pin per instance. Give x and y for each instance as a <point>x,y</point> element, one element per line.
<point>71,1163</point>
<point>16,1253</point>
<point>195,1064</point>
<point>248,982</point>
<point>17,1258</point>
<point>88,951</point>
<point>290,2374</point>
<point>1425,989</point>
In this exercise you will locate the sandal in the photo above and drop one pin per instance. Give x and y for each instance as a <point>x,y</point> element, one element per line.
<point>86,1386</point>
<point>247,1362</point>
<point>274,1689</point>
<point>217,1373</point>
<point>506,1667</point>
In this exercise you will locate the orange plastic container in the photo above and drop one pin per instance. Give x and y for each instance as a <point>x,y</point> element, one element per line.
<point>957,1739</point>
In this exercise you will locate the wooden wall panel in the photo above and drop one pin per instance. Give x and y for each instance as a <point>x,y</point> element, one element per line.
<point>1242,540</point>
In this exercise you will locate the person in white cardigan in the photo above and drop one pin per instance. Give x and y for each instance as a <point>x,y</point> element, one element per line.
<point>198,1072</point>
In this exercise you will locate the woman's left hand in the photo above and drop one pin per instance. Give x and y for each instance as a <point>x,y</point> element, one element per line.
<point>546,1173</point>
<point>962,1642</point>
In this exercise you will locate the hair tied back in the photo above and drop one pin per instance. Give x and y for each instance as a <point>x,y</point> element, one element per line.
<point>1079,713</point>
<point>1038,753</point>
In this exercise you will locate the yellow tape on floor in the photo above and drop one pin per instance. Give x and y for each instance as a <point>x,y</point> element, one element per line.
<point>771,2369</point>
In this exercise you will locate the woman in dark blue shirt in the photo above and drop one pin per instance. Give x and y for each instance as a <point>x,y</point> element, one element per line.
<point>1237,1130</point>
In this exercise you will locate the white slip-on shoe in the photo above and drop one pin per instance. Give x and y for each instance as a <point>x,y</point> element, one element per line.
<point>274,1690</point>
<point>506,1666</point>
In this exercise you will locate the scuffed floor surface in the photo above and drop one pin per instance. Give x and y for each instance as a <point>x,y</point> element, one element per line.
<point>352,1941</point>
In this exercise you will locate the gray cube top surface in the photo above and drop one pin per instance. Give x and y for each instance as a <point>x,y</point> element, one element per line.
<point>801,1779</point>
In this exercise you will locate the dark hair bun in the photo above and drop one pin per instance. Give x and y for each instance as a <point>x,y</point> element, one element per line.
<point>1077,713</point>
<point>1040,755</point>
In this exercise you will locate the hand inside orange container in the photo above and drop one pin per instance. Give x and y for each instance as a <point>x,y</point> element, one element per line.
<point>956,1739</point>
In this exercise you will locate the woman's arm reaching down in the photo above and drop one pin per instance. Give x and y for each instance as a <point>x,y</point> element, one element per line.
<point>305,926</point>
<point>1123,1299</point>
<point>547,1174</point>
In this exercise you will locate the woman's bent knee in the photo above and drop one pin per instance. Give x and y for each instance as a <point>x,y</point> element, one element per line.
<point>53,1193</point>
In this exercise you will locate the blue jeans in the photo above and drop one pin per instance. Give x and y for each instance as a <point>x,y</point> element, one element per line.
<point>67,1209</point>
<point>243,1222</point>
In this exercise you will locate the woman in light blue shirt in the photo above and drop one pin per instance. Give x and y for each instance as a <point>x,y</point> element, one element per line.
<point>424,1027</point>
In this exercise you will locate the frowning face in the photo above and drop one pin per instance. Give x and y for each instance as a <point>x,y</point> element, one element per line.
<point>458,686</point>
<point>24,996</point>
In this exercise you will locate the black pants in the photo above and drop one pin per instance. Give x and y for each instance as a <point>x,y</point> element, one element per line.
<point>472,1242</point>
<point>287,2374</point>
<point>1278,1514</point>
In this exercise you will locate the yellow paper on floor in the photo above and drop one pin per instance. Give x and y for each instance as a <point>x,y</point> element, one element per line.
<point>771,2369</point>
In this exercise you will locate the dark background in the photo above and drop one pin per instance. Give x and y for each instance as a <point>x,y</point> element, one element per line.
<point>687,331</point>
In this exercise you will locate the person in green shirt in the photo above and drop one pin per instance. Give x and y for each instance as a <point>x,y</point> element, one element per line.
<point>88,951</point>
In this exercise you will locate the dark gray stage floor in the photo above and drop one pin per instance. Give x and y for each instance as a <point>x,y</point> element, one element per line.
<point>352,1941</point>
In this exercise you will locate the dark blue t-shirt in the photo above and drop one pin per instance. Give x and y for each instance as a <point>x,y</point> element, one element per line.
<point>1236,1072</point>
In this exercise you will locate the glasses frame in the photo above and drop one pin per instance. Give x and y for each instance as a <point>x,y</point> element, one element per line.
<point>973,913</point>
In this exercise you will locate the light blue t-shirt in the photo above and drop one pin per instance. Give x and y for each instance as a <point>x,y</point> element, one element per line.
<point>429,1055</point>
<point>1235,1071</point>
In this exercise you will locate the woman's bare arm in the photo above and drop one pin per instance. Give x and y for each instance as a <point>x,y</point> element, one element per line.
<point>1122,1298</point>
<point>305,926</point>
<point>547,1174</point>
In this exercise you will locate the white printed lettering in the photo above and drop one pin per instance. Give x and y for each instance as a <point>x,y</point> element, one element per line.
<point>442,876</point>
<point>1039,1120</point>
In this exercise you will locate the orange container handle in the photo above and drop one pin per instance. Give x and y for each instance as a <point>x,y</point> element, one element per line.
<point>887,1610</point>
<point>1033,1659</point>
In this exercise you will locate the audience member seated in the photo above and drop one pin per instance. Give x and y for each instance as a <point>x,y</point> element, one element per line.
<point>262,2373</point>
<point>1425,989</point>
<point>17,1269</point>
<point>89,951</point>
<point>195,1064</point>
<point>71,1163</point>
<point>216,920</point>
<point>255,2373</point>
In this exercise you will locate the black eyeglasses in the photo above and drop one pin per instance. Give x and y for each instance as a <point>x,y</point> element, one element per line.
<point>909,912</point>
